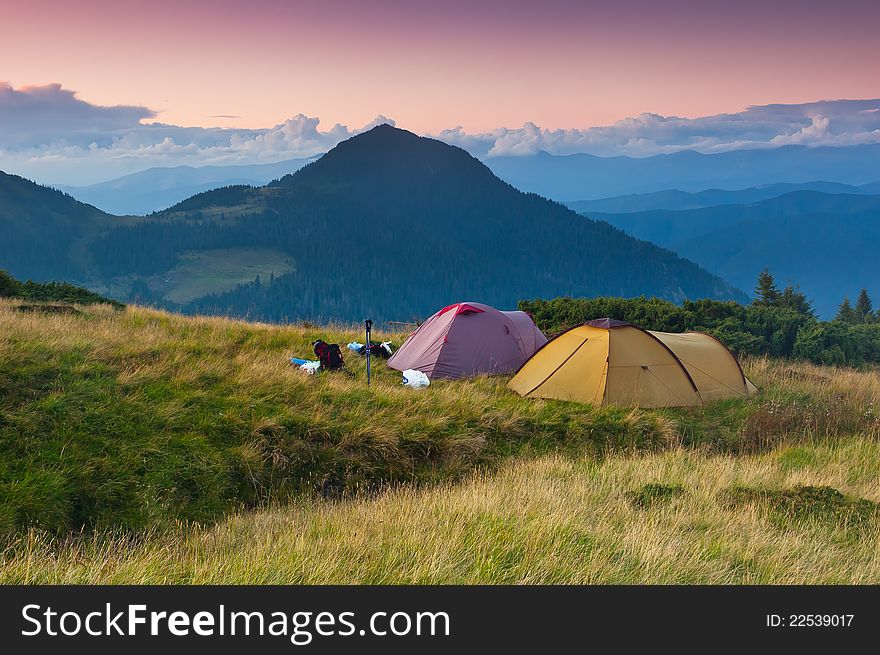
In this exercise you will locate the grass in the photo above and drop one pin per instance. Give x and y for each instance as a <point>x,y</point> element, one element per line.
<point>549,519</point>
<point>215,271</point>
<point>806,504</point>
<point>140,446</point>
<point>138,419</point>
<point>653,493</point>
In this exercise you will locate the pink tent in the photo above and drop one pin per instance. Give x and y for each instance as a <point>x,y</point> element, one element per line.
<point>467,339</point>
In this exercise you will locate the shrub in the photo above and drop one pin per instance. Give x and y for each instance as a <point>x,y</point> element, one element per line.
<point>654,493</point>
<point>756,329</point>
<point>807,504</point>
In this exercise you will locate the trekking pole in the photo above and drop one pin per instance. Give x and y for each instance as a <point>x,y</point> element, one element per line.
<point>368,326</point>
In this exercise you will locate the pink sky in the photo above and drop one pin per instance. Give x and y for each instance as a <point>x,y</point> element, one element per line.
<point>475,64</point>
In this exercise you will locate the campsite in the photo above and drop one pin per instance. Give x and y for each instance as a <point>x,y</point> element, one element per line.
<point>439,327</point>
<point>185,439</point>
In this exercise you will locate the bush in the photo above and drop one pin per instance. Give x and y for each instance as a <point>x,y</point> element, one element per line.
<point>654,493</point>
<point>50,291</point>
<point>754,329</point>
<point>808,504</point>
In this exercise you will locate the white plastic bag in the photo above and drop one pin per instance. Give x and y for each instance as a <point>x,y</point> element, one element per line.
<point>311,367</point>
<point>415,379</point>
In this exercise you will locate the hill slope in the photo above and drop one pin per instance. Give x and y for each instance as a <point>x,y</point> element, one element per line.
<point>50,292</point>
<point>45,232</point>
<point>392,225</point>
<point>827,243</point>
<point>157,188</point>
<point>146,420</point>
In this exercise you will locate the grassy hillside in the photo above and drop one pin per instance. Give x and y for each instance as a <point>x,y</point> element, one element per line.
<point>550,520</point>
<point>200,273</point>
<point>140,418</point>
<point>136,424</point>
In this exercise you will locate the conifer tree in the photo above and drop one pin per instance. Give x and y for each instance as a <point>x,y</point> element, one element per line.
<point>864,308</point>
<point>793,298</point>
<point>845,312</point>
<point>766,293</point>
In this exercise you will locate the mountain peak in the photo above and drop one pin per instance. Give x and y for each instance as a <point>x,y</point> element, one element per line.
<point>387,155</point>
<point>387,128</point>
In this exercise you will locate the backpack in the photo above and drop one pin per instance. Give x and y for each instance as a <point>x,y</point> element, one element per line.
<point>329,355</point>
<point>380,350</point>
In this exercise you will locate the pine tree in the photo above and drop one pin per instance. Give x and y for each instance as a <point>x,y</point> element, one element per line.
<point>846,313</point>
<point>766,293</point>
<point>864,309</point>
<point>793,298</point>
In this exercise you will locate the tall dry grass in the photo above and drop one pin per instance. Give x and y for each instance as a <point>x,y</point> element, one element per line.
<point>549,520</point>
<point>140,418</point>
<point>126,437</point>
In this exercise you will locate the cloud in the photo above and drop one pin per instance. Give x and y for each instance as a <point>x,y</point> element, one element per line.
<point>52,136</point>
<point>815,132</point>
<point>826,123</point>
<point>34,115</point>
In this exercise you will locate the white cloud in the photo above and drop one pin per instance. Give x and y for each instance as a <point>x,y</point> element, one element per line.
<point>50,135</point>
<point>840,122</point>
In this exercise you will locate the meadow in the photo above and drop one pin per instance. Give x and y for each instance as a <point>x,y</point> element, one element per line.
<point>215,271</point>
<point>140,446</point>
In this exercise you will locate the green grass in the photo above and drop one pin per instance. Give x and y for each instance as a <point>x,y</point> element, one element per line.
<point>36,293</point>
<point>654,493</point>
<point>810,504</point>
<point>140,419</point>
<point>552,519</point>
<point>141,446</point>
<point>204,272</point>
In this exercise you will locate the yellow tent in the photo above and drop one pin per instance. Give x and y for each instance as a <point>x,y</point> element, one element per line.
<point>712,367</point>
<point>610,362</point>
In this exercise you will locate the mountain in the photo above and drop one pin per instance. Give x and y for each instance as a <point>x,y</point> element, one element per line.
<point>827,243</point>
<point>391,225</point>
<point>157,188</point>
<point>587,177</point>
<point>678,200</point>
<point>45,232</point>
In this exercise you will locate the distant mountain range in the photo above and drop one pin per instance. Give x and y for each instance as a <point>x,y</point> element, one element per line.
<point>674,181</point>
<point>392,225</point>
<point>677,200</point>
<point>826,243</point>
<point>154,189</point>
<point>587,177</point>
<point>387,225</point>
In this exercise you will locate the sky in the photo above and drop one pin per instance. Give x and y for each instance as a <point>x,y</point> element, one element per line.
<point>271,68</point>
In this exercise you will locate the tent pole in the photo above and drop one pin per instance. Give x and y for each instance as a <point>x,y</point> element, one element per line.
<point>368,326</point>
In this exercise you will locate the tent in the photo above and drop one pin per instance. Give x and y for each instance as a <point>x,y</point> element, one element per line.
<point>469,338</point>
<point>609,362</point>
<point>712,367</point>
